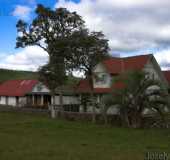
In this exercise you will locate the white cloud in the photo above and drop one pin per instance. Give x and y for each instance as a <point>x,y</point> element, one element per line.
<point>163,58</point>
<point>128,24</point>
<point>22,12</point>
<point>132,26</point>
<point>30,58</point>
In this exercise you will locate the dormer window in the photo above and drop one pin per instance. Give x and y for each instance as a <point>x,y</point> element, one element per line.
<point>101,78</point>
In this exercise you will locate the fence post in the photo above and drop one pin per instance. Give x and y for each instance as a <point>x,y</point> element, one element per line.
<point>52,108</point>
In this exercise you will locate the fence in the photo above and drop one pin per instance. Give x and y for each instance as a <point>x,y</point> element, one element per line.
<point>24,110</point>
<point>148,121</point>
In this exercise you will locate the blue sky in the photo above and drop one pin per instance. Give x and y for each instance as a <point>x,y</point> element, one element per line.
<point>132,27</point>
<point>8,22</point>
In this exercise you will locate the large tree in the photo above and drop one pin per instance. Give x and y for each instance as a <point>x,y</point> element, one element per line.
<point>70,45</point>
<point>138,92</point>
<point>91,48</point>
<point>51,30</point>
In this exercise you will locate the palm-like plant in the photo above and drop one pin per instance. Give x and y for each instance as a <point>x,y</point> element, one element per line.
<point>138,93</point>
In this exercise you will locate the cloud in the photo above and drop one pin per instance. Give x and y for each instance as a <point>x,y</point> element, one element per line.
<point>128,24</point>
<point>30,58</point>
<point>132,27</point>
<point>22,12</point>
<point>163,58</point>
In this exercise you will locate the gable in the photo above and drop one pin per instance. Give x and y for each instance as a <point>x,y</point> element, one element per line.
<point>100,68</point>
<point>115,66</point>
<point>155,71</point>
<point>40,88</point>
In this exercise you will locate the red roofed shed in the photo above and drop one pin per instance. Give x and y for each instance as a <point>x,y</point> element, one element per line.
<point>24,92</point>
<point>17,87</point>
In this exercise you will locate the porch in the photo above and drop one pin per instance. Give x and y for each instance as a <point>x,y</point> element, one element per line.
<point>38,100</point>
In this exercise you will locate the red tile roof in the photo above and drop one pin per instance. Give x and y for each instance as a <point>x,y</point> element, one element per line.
<point>17,87</point>
<point>115,66</point>
<point>167,75</point>
<point>118,65</point>
<point>84,87</point>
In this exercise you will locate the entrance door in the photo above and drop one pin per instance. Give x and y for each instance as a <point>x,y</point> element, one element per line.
<point>37,100</point>
<point>47,100</point>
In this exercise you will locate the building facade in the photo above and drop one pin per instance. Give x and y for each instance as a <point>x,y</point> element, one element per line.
<point>32,93</point>
<point>107,71</point>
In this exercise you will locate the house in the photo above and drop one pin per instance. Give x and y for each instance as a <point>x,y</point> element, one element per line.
<point>33,93</point>
<point>70,99</point>
<point>24,92</point>
<point>106,71</point>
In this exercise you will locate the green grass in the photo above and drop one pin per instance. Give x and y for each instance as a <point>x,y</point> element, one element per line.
<point>6,74</point>
<point>13,74</point>
<point>35,137</point>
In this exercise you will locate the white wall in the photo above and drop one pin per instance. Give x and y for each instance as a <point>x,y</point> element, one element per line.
<point>70,100</point>
<point>113,110</point>
<point>22,101</point>
<point>67,100</point>
<point>149,68</point>
<point>40,88</point>
<point>3,100</point>
<point>99,68</point>
<point>12,101</point>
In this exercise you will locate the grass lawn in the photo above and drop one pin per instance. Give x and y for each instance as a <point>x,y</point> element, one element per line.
<point>35,137</point>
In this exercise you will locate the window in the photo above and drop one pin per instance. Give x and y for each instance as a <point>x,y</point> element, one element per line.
<point>101,78</point>
<point>39,87</point>
<point>71,108</point>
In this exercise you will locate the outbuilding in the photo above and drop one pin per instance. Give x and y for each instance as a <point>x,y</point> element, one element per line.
<point>23,93</point>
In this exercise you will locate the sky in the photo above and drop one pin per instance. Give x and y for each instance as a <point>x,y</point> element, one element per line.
<point>133,27</point>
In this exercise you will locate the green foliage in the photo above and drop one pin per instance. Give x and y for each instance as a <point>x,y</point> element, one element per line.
<point>49,26</point>
<point>14,74</point>
<point>139,92</point>
<point>51,30</point>
<point>90,48</point>
<point>63,36</point>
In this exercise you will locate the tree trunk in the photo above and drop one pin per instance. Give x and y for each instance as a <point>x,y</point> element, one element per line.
<point>92,98</point>
<point>136,120</point>
<point>52,108</point>
<point>61,109</point>
<point>85,108</point>
<point>93,108</point>
<point>124,117</point>
<point>90,78</point>
<point>105,117</point>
